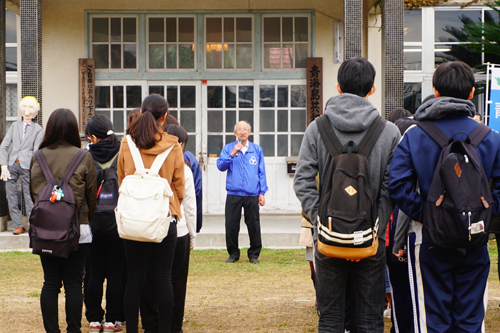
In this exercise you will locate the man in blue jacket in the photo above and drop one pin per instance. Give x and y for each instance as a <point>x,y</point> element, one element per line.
<point>246,185</point>
<point>450,284</point>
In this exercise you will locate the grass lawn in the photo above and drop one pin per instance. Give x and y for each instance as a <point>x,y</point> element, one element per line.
<point>276,295</point>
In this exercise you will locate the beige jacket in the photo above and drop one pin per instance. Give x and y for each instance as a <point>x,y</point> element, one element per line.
<point>172,169</point>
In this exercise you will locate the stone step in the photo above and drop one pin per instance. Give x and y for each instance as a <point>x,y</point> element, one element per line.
<point>278,232</point>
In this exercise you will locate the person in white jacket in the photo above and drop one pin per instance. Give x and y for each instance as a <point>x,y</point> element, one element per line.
<point>186,236</point>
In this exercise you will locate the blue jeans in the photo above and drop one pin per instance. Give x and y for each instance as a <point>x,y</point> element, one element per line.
<point>368,278</point>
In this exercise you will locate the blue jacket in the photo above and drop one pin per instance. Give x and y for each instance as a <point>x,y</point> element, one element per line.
<point>195,168</point>
<point>246,173</point>
<point>417,154</point>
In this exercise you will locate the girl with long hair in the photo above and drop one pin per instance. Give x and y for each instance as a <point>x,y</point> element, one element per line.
<point>147,134</point>
<point>59,146</point>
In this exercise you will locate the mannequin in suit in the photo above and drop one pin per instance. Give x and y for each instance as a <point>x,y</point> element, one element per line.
<point>21,141</point>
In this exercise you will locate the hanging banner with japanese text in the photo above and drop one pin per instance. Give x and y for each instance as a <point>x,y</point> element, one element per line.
<point>86,78</point>
<point>314,88</point>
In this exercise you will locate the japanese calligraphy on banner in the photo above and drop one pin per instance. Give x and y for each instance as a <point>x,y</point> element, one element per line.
<point>314,88</point>
<point>86,77</point>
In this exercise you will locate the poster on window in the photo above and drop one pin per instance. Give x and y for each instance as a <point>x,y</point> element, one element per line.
<point>86,78</point>
<point>314,88</point>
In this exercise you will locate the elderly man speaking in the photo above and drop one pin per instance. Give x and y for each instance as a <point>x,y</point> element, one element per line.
<point>246,185</point>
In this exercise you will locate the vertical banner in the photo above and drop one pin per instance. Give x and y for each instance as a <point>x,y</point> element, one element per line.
<point>86,76</point>
<point>314,88</point>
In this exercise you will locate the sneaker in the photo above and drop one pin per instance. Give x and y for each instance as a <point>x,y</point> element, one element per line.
<point>95,327</point>
<point>108,327</point>
<point>118,326</point>
<point>387,313</point>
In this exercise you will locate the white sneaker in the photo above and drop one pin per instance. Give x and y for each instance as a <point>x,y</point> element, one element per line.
<point>108,327</point>
<point>95,327</point>
<point>387,313</point>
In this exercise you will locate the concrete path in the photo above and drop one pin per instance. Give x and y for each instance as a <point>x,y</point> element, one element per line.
<point>278,232</point>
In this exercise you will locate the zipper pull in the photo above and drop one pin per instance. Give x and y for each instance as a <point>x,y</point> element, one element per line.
<point>466,159</point>
<point>469,227</point>
<point>330,223</point>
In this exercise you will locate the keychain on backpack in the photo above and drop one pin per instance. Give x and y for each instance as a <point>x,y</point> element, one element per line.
<point>57,194</point>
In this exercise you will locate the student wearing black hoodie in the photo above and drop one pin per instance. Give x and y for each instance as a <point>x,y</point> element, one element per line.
<point>107,254</point>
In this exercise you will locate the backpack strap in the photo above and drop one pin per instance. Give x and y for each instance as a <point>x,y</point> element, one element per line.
<point>73,165</point>
<point>434,132</point>
<point>160,159</point>
<point>136,154</point>
<point>328,136</point>
<point>478,134</point>
<point>372,134</point>
<point>45,167</point>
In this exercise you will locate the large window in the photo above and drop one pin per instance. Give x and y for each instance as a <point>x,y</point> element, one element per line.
<point>413,39</point>
<point>114,42</point>
<point>171,42</point>
<point>229,42</point>
<point>286,41</point>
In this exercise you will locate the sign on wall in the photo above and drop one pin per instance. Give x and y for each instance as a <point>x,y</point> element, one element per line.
<point>86,90</point>
<point>314,88</point>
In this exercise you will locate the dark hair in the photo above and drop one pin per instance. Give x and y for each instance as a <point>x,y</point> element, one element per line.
<point>170,120</point>
<point>145,131</point>
<point>99,126</point>
<point>356,76</point>
<point>61,129</point>
<point>398,114</point>
<point>133,115</point>
<point>181,134</point>
<point>453,79</point>
<point>404,123</point>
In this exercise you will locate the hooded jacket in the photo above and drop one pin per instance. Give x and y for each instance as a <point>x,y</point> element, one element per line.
<point>350,117</point>
<point>172,169</point>
<point>417,154</point>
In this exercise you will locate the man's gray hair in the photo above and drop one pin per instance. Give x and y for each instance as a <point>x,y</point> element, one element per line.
<point>249,127</point>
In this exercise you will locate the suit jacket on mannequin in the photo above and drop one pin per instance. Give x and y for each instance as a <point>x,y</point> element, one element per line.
<point>19,147</point>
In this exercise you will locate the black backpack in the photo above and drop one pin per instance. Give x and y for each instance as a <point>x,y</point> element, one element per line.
<point>348,221</point>
<point>103,224</point>
<point>55,226</point>
<point>459,205</point>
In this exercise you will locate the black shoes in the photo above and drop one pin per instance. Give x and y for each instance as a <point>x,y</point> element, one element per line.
<point>254,260</point>
<point>232,259</point>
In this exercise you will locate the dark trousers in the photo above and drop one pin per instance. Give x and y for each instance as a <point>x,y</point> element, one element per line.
<point>368,281</point>
<point>180,268</point>
<point>453,287</point>
<point>234,204</point>
<point>68,272</point>
<point>137,256</point>
<point>106,262</point>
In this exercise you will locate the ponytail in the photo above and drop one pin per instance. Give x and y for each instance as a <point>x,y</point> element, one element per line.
<point>145,131</point>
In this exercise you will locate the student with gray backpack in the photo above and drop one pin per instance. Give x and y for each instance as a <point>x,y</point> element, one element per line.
<point>147,234</point>
<point>106,253</point>
<point>349,219</point>
<point>63,188</point>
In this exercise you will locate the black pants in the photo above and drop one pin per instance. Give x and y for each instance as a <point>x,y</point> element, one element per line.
<point>162,256</point>
<point>56,272</point>
<point>234,203</point>
<point>106,262</point>
<point>180,268</point>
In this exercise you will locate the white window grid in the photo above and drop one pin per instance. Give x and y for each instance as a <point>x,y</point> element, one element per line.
<point>177,43</point>
<point>222,43</point>
<point>281,42</point>
<point>121,43</point>
<point>277,109</point>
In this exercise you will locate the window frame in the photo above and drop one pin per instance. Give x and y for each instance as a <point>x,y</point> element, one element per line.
<point>195,38</point>
<point>309,39</point>
<point>223,16</point>
<point>110,43</point>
